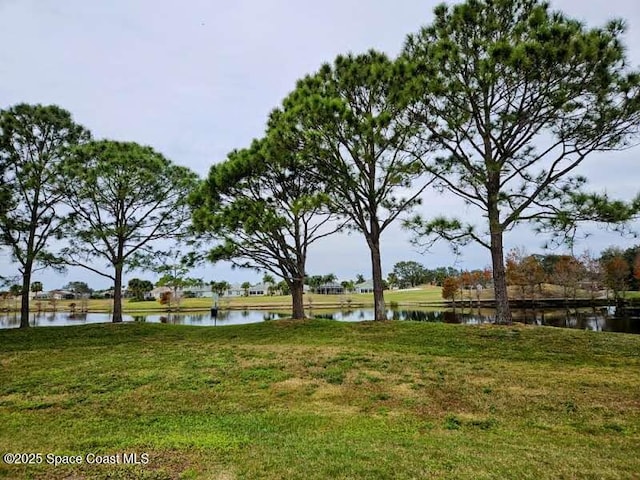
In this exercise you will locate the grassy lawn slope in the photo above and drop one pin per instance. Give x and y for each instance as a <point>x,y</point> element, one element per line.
<point>323,400</point>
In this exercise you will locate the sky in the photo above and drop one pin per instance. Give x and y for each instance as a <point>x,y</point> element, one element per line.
<point>196,79</point>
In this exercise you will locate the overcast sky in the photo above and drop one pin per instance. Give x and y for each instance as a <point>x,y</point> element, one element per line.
<point>195,79</point>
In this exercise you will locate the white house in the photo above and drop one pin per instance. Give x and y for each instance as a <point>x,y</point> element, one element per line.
<point>331,288</point>
<point>364,287</point>
<point>157,292</point>
<point>38,295</point>
<point>234,290</point>
<point>202,291</point>
<point>62,295</point>
<point>260,289</point>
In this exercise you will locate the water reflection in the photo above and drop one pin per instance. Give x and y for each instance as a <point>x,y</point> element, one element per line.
<point>598,319</point>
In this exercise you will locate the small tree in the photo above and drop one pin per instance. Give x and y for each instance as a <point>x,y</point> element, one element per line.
<point>220,287</point>
<point>467,282</point>
<point>533,273</point>
<point>567,272</point>
<point>173,273</point>
<point>514,274</point>
<point>283,287</point>
<point>314,281</point>
<point>165,298</point>
<point>348,285</point>
<point>53,301</point>
<point>450,288</point>
<point>270,283</point>
<point>139,288</point>
<point>616,273</point>
<point>36,287</point>
<point>15,290</point>
<point>246,286</point>
<point>478,281</point>
<point>593,273</point>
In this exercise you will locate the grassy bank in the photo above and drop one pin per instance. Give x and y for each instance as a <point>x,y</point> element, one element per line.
<point>430,295</point>
<point>321,399</point>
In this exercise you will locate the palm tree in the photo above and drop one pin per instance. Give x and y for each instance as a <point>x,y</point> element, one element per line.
<point>348,285</point>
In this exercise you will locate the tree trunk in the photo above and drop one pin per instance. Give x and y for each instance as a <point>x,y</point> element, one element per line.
<point>378,290</point>
<point>297,292</point>
<point>26,288</point>
<point>503,313</point>
<point>117,294</point>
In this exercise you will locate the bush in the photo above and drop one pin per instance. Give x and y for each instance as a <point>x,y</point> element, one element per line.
<point>165,298</point>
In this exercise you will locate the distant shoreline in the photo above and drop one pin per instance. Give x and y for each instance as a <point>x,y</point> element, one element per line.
<point>103,306</point>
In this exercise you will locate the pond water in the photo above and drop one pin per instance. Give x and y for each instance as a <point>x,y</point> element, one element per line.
<point>598,319</point>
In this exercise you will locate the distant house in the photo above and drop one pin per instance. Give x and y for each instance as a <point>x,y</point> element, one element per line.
<point>330,289</point>
<point>157,292</point>
<point>364,287</point>
<point>203,291</point>
<point>62,295</point>
<point>108,293</point>
<point>259,289</point>
<point>234,290</point>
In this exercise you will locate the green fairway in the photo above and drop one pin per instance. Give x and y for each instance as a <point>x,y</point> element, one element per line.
<point>322,400</point>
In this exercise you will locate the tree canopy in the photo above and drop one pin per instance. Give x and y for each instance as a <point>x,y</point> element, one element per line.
<point>409,273</point>
<point>34,144</point>
<point>265,210</point>
<point>78,287</point>
<point>515,97</point>
<point>353,115</point>
<point>123,198</point>
<point>138,288</point>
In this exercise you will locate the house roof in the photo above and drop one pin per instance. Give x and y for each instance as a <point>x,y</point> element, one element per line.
<point>365,284</point>
<point>202,288</point>
<point>330,285</point>
<point>161,289</point>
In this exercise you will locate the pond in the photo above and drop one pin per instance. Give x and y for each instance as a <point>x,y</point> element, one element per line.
<point>598,319</point>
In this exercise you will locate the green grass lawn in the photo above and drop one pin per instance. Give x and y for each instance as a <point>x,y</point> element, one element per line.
<point>323,400</point>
